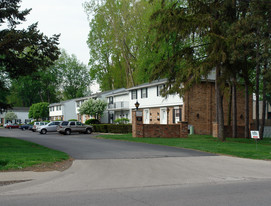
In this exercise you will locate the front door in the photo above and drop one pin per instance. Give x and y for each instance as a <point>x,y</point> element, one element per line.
<point>146,116</point>
<point>163,114</point>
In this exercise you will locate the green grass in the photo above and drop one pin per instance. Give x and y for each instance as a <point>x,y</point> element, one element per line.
<point>238,147</point>
<point>18,154</point>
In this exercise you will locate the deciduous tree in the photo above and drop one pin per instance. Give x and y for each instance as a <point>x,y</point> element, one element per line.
<point>75,78</point>
<point>93,107</point>
<point>10,116</point>
<point>39,111</point>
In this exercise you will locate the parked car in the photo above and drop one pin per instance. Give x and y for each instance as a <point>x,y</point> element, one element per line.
<point>24,126</point>
<point>6,124</point>
<point>50,127</point>
<point>36,124</point>
<point>67,127</point>
<point>30,127</point>
<point>12,126</point>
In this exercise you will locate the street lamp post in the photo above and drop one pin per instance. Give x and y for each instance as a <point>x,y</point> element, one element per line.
<point>137,105</point>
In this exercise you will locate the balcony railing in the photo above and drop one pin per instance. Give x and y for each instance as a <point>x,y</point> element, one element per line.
<point>118,105</point>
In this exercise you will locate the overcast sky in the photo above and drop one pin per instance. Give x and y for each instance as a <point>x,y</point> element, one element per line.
<point>65,17</point>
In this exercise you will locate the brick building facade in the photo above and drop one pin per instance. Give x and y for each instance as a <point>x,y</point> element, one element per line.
<point>199,108</point>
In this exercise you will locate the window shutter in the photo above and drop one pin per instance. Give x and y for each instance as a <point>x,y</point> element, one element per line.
<point>174,121</point>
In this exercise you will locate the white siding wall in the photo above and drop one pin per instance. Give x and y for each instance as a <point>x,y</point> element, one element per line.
<point>21,115</point>
<point>153,100</point>
<point>55,112</point>
<point>122,98</point>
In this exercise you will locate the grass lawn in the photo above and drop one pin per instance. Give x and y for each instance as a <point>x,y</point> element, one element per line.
<point>238,147</point>
<point>19,154</point>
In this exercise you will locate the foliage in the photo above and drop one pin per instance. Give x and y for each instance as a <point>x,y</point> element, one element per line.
<point>93,107</point>
<point>122,121</point>
<point>205,35</point>
<point>92,121</point>
<point>22,51</point>
<point>72,120</point>
<point>10,116</point>
<point>18,154</point>
<point>44,84</point>
<point>120,42</point>
<point>65,79</point>
<point>113,128</point>
<point>39,111</point>
<point>75,77</point>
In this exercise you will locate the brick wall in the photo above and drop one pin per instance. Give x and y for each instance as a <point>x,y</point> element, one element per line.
<point>155,115</point>
<point>139,129</point>
<point>164,131</point>
<point>200,107</point>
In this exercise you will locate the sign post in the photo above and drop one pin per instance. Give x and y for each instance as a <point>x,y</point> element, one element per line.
<point>255,135</point>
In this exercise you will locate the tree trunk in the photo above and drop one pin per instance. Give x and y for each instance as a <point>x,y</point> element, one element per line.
<point>230,106</point>
<point>246,110</point>
<point>264,105</point>
<point>220,113</point>
<point>257,87</point>
<point>234,111</point>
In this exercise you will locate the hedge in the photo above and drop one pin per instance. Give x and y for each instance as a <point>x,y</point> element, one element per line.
<point>113,128</point>
<point>92,121</point>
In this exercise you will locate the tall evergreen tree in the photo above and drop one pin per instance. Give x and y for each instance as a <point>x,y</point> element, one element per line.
<point>22,51</point>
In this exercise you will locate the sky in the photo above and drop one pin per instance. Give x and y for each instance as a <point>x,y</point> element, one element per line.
<point>65,17</point>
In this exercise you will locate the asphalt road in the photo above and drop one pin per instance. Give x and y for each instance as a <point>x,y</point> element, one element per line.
<point>85,147</point>
<point>109,172</point>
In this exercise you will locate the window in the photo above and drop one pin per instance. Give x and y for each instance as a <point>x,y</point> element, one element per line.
<point>177,115</point>
<point>110,100</point>
<point>134,94</point>
<point>78,104</point>
<point>78,123</point>
<point>59,108</point>
<point>64,123</point>
<point>159,88</point>
<point>72,123</point>
<point>144,93</point>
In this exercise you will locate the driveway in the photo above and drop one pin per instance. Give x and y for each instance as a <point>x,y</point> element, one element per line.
<point>85,147</point>
<point>109,172</point>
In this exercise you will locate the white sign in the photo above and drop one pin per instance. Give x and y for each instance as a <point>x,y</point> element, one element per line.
<point>255,134</point>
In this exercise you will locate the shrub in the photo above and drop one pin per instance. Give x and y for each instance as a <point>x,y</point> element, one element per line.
<point>92,121</point>
<point>113,128</point>
<point>100,128</point>
<point>122,121</point>
<point>72,120</point>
